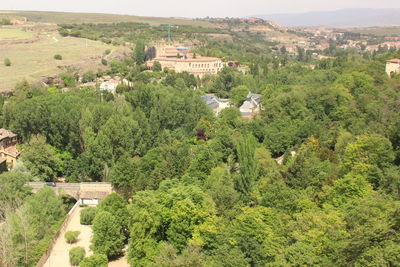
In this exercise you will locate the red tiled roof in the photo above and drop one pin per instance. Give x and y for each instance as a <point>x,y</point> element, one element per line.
<point>395,60</point>
<point>6,133</point>
<point>199,59</point>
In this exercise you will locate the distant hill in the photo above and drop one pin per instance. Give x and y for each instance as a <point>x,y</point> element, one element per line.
<point>363,17</point>
<point>68,17</point>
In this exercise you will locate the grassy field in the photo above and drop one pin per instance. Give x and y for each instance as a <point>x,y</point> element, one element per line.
<point>65,17</point>
<point>14,34</point>
<point>379,31</point>
<point>34,61</point>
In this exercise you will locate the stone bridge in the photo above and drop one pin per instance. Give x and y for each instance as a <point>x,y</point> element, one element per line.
<point>77,190</point>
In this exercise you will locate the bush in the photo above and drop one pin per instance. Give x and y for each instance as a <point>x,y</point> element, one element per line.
<point>68,79</point>
<point>107,52</point>
<point>157,66</point>
<point>7,62</point>
<point>5,22</point>
<point>71,236</point>
<point>58,57</point>
<point>76,255</point>
<point>96,260</point>
<point>87,215</point>
<point>88,77</point>
<point>104,61</point>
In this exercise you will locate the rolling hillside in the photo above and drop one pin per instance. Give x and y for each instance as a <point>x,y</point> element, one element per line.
<point>66,17</point>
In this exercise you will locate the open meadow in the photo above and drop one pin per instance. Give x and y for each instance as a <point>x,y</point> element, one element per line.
<point>14,34</point>
<point>34,61</point>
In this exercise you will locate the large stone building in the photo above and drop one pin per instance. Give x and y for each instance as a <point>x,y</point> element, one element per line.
<point>393,66</point>
<point>177,58</point>
<point>8,147</point>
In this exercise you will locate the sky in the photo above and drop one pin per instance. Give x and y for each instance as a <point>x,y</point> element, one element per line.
<point>193,8</point>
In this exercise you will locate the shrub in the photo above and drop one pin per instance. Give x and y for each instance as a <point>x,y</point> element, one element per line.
<point>68,79</point>
<point>5,22</point>
<point>107,52</point>
<point>7,62</point>
<point>58,57</point>
<point>96,260</point>
<point>104,61</point>
<point>157,66</point>
<point>71,236</point>
<point>88,77</point>
<point>76,255</point>
<point>87,215</point>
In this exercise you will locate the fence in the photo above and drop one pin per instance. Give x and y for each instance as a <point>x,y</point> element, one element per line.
<point>64,225</point>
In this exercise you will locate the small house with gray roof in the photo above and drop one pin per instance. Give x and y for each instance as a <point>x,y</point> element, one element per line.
<point>251,106</point>
<point>215,103</point>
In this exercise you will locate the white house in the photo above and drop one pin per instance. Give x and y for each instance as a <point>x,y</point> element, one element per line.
<point>393,66</point>
<point>215,103</point>
<point>251,106</point>
<point>110,85</point>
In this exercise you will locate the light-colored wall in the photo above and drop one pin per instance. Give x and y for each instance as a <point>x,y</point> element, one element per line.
<point>392,68</point>
<point>199,68</point>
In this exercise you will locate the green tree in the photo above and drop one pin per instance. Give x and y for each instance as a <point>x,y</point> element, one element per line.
<point>248,166</point>
<point>40,159</point>
<point>88,77</point>
<point>57,57</point>
<point>239,94</point>
<point>220,186</point>
<point>13,191</point>
<point>71,236</point>
<point>68,79</point>
<point>116,206</point>
<point>140,54</point>
<point>76,255</point>
<point>87,215</point>
<point>157,66</point>
<point>7,62</point>
<point>255,233</point>
<point>368,156</point>
<point>108,237</point>
<point>96,260</point>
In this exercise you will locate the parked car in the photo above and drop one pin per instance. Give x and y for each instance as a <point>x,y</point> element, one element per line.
<point>52,184</point>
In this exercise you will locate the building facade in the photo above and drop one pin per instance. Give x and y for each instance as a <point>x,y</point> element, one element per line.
<point>393,66</point>
<point>177,57</point>
<point>8,147</point>
<point>198,66</point>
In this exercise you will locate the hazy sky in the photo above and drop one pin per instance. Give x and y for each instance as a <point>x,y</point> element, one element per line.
<point>193,8</point>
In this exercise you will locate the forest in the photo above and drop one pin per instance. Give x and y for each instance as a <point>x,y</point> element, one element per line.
<point>222,199</point>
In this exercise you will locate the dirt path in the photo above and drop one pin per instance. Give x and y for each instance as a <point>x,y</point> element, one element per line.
<point>121,262</point>
<point>60,254</point>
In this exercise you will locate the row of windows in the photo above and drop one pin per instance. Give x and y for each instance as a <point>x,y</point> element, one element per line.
<point>196,66</point>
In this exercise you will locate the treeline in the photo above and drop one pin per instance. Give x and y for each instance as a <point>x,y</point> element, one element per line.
<point>119,33</point>
<point>28,222</point>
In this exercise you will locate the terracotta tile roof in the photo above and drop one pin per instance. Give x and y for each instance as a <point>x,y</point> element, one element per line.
<point>6,134</point>
<point>193,60</point>
<point>93,194</point>
<point>395,60</point>
<point>12,151</point>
